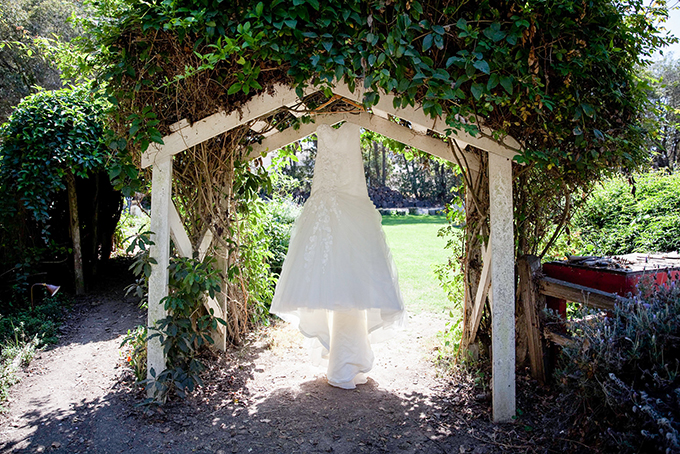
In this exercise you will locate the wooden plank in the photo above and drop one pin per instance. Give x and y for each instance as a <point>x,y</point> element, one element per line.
<point>290,135</point>
<point>216,124</point>
<point>187,136</point>
<point>482,292</point>
<point>413,139</point>
<point>183,245</point>
<point>527,267</point>
<point>577,293</point>
<point>369,121</point>
<point>178,234</point>
<point>502,244</point>
<point>183,123</point>
<point>381,113</point>
<point>508,148</point>
<point>559,339</point>
<point>206,242</point>
<point>161,190</point>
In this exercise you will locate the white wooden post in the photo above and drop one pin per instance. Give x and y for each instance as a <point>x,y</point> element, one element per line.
<point>502,288</point>
<point>161,191</point>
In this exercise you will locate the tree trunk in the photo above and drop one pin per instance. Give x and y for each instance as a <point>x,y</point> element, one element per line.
<point>75,234</point>
<point>94,253</point>
<point>375,162</point>
<point>382,146</point>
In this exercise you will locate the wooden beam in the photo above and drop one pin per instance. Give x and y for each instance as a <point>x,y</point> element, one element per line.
<point>502,288</point>
<point>178,234</point>
<point>290,135</point>
<point>413,139</point>
<point>368,121</point>
<point>183,245</point>
<point>188,136</point>
<point>161,190</point>
<point>482,292</point>
<point>528,266</point>
<point>559,339</point>
<point>507,148</point>
<point>577,293</point>
<point>206,242</point>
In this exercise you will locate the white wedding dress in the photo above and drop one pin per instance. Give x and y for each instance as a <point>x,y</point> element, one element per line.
<point>339,283</point>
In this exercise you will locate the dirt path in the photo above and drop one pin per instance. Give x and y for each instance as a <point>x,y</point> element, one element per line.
<point>264,397</point>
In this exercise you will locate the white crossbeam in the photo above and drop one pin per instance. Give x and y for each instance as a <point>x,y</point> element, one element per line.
<point>178,234</point>
<point>188,136</point>
<point>508,148</point>
<point>369,121</point>
<point>482,292</point>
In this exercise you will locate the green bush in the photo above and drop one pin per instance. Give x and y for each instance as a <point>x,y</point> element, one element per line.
<point>621,379</point>
<point>278,219</point>
<point>53,137</point>
<point>22,332</point>
<point>620,218</point>
<point>43,321</point>
<point>186,329</point>
<point>135,352</point>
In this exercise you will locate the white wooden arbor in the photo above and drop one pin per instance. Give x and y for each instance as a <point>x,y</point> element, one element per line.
<point>498,272</point>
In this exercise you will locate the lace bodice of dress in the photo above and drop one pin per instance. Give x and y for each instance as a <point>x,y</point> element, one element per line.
<point>339,167</point>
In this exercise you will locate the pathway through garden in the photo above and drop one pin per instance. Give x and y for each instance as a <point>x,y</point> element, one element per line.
<point>263,397</point>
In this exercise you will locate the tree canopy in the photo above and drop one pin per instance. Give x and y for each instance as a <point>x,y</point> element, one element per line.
<point>53,139</point>
<point>49,134</point>
<point>29,31</point>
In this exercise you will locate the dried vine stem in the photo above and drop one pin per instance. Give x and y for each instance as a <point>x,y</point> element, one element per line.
<point>203,183</point>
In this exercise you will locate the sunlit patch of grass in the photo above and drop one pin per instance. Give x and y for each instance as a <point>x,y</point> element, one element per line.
<point>416,248</point>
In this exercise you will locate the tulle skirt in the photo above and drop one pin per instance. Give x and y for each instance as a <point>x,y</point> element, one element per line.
<point>339,283</point>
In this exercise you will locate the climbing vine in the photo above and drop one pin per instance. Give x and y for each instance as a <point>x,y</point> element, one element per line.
<point>559,76</point>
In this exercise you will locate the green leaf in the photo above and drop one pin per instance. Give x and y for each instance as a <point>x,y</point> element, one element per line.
<point>506,82</point>
<point>482,65</point>
<point>588,109</point>
<point>427,41</point>
<point>477,90</point>
<point>234,88</point>
<point>492,82</point>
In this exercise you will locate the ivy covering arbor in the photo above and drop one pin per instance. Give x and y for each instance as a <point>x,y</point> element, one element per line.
<point>558,76</point>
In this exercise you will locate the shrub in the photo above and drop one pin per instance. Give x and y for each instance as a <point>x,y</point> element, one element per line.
<point>279,216</point>
<point>16,352</point>
<point>620,218</point>
<point>135,351</point>
<point>43,321</point>
<point>621,380</point>
<point>22,332</point>
<point>53,140</point>
<point>187,327</point>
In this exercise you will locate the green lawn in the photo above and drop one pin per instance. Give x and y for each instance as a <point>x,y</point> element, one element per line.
<point>416,247</point>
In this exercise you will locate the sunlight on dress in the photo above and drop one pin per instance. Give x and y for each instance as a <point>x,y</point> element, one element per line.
<point>338,284</point>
